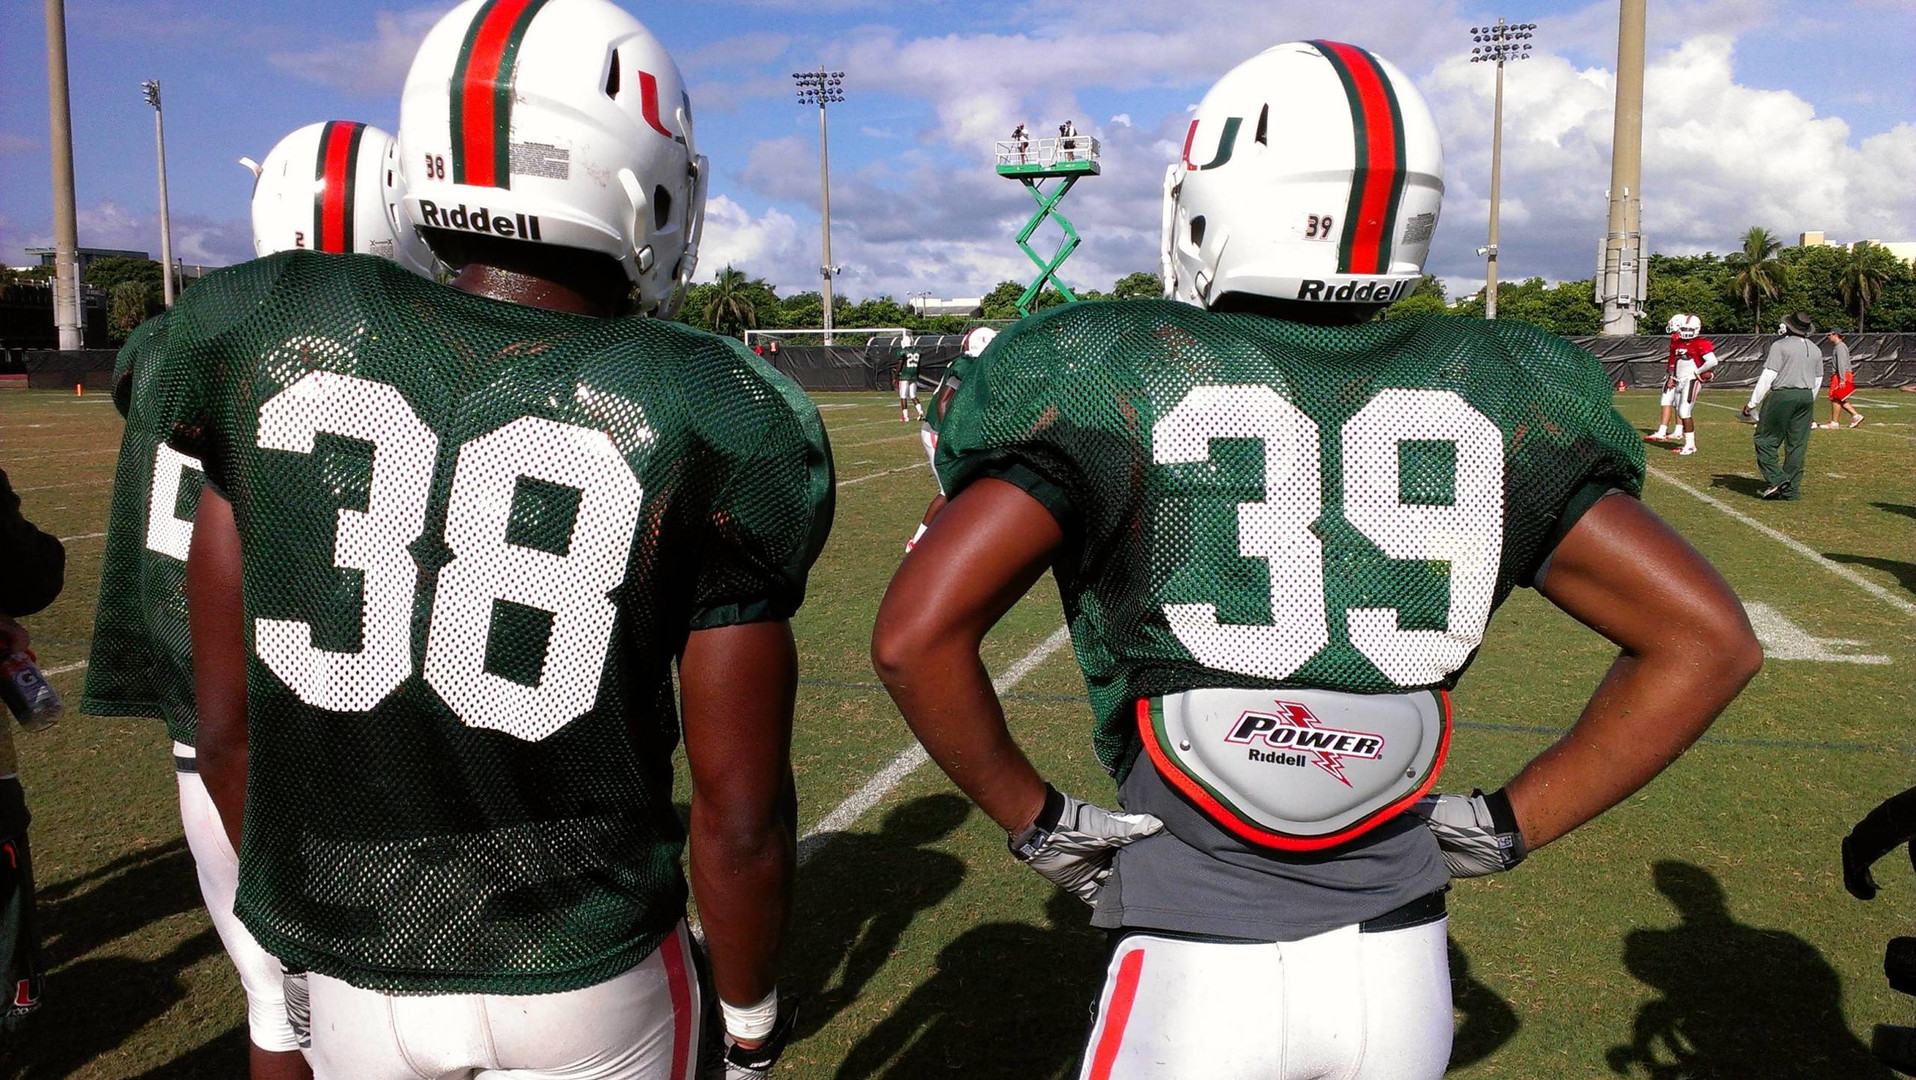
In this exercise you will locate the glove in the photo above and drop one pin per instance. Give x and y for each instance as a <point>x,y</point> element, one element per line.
<point>1072,842</point>
<point>735,1062</point>
<point>1887,827</point>
<point>1476,833</point>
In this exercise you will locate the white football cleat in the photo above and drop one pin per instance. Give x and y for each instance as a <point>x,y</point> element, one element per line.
<point>1683,450</point>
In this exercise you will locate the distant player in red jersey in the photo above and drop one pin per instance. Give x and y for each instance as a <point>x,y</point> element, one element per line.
<point>1692,356</point>
<point>1842,385</point>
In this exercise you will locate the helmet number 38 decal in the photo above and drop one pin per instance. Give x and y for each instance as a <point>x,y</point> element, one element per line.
<point>486,567</point>
<point>1466,533</point>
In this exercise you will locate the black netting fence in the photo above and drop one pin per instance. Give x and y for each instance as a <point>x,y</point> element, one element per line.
<point>1638,362</point>
<point>52,369</point>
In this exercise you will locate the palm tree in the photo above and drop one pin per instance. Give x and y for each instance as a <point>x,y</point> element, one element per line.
<point>1862,277</point>
<point>729,310</point>
<point>1758,273</point>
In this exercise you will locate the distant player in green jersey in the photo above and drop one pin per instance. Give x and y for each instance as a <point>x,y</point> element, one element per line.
<point>905,371</point>
<point>334,187</point>
<point>452,542</point>
<point>1279,527</point>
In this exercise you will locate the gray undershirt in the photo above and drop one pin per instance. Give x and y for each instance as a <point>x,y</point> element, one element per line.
<point>1797,361</point>
<point>1195,878</point>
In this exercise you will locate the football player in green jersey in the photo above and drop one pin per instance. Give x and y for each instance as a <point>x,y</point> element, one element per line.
<point>332,186</point>
<point>905,373</point>
<point>1280,527</point>
<point>475,526</point>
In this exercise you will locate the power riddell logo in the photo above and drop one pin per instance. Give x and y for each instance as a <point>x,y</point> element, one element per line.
<point>1293,727</point>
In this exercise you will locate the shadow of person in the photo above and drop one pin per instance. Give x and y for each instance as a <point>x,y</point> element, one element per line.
<point>1484,1020</point>
<point>1738,1002</point>
<point>124,896</point>
<point>1896,508</point>
<point>1742,485</point>
<point>1008,1001</point>
<point>1904,573</point>
<point>857,897</point>
<point>219,1058</point>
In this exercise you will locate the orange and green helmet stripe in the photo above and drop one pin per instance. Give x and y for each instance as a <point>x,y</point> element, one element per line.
<point>482,92</point>
<point>337,175</point>
<point>1377,183</point>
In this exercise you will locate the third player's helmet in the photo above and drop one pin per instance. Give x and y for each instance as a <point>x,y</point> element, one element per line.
<point>560,122</point>
<point>1311,172</point>
<point>335,186</point>
<point>1687,327</point>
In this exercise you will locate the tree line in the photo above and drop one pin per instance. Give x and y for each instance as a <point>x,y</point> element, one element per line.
<point>1860,288</point>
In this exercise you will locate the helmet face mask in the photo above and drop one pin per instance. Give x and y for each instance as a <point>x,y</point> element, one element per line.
<point>1688,327</point>
<point>1312,173</point>
<point>335,186</point>
<point>562,123</point>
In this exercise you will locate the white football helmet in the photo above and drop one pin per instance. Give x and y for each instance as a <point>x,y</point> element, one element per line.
<point>560,122</point>
<point>1311,172</point>
<point>977,339</point>
<point>1688,326</point>
<point>335,186</point>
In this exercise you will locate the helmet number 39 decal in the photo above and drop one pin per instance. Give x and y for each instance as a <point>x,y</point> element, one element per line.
<point>1466,533</point>
<point>1318,226</point>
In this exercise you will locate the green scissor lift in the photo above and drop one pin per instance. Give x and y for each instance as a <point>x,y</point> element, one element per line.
<point>1034,164</point>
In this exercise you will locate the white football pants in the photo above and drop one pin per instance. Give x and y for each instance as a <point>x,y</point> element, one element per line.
<point>1687,387</point>
<point>640,1025</point>
<point>1342,1005</point>
<point>908,389</point>
<point>1669,394</point>
<point>260,973</point>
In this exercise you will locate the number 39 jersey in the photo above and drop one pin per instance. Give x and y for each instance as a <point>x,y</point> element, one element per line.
<point>1256,503</point>
<point>475,535</point>
<point>141,661</point>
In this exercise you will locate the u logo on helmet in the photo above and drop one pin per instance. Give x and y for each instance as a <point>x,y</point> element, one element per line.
<point>1226,144</point>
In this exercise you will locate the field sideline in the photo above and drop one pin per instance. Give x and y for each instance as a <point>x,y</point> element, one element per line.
<point>1698,931</point>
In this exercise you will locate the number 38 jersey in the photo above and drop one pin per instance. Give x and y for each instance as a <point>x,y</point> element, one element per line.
<point>1257,503</point>
<point>475,535</point>
<point>141,662</point>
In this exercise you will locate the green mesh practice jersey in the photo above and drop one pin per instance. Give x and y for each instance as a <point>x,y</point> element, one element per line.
<point>141,663</point>
<point>475,535</point>
<point>1256,503</point>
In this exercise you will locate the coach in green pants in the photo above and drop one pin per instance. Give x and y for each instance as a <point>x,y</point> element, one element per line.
<point>1790,376</point>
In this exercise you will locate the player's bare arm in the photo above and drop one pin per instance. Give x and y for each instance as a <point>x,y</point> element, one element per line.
<point>989,546</point>
<point>738,685</point>
<point>1688,650</point>
<point>219,656</point>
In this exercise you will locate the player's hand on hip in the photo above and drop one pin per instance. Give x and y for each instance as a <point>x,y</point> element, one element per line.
<point>1071,844</point>
<point>1476,833</point>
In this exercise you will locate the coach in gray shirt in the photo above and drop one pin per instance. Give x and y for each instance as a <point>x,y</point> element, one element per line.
<point>1791,373</point>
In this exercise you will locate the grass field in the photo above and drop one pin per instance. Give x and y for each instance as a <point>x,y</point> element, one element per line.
<point>1700,930</point>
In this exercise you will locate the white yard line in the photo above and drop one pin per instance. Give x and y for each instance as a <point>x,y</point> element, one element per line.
<point>76,483</point>
<point>1880,592</point>
<point>887,472</point>
<point>876,442</point>
<point>82,536</point>
<point>64,668</point>
<point>909,760</point>
<point>1784,640</point>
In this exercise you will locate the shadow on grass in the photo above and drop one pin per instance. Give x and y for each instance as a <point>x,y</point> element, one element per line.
<point>857,898</point>
<point>81,914</point>
<point>1742,485</point>
<point>1486,1021</point>
<point>1738,1002</point>
<point>220,1058</point>
<point>1904,573</point>
<point>1007,999</point>
<point>1896,508</point>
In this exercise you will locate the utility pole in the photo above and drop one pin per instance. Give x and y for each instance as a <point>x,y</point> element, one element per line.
<point>820,88</point>
<point>66,231</point>
<point>152,89</point>
<point>1504,41</point>
<point>1620,284</point>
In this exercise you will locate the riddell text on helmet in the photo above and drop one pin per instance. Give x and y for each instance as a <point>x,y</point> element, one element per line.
<point>1369,292</point>
<point>482,220</point>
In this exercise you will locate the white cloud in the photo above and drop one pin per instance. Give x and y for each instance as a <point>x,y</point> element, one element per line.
<point>768,245</point>
<point>366,67</point>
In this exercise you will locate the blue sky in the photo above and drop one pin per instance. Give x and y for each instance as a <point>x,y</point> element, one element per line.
<point>1760,113</point>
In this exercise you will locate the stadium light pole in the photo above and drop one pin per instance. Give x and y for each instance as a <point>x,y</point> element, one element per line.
<point>1620,284</point>
<point>822,88</point>
<point>152,89</point>
<point>66,231</point>
<point>1497,44</point>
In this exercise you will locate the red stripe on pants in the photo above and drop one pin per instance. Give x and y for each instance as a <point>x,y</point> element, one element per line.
<point>673,950</point>
<point>1117,1015</point>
